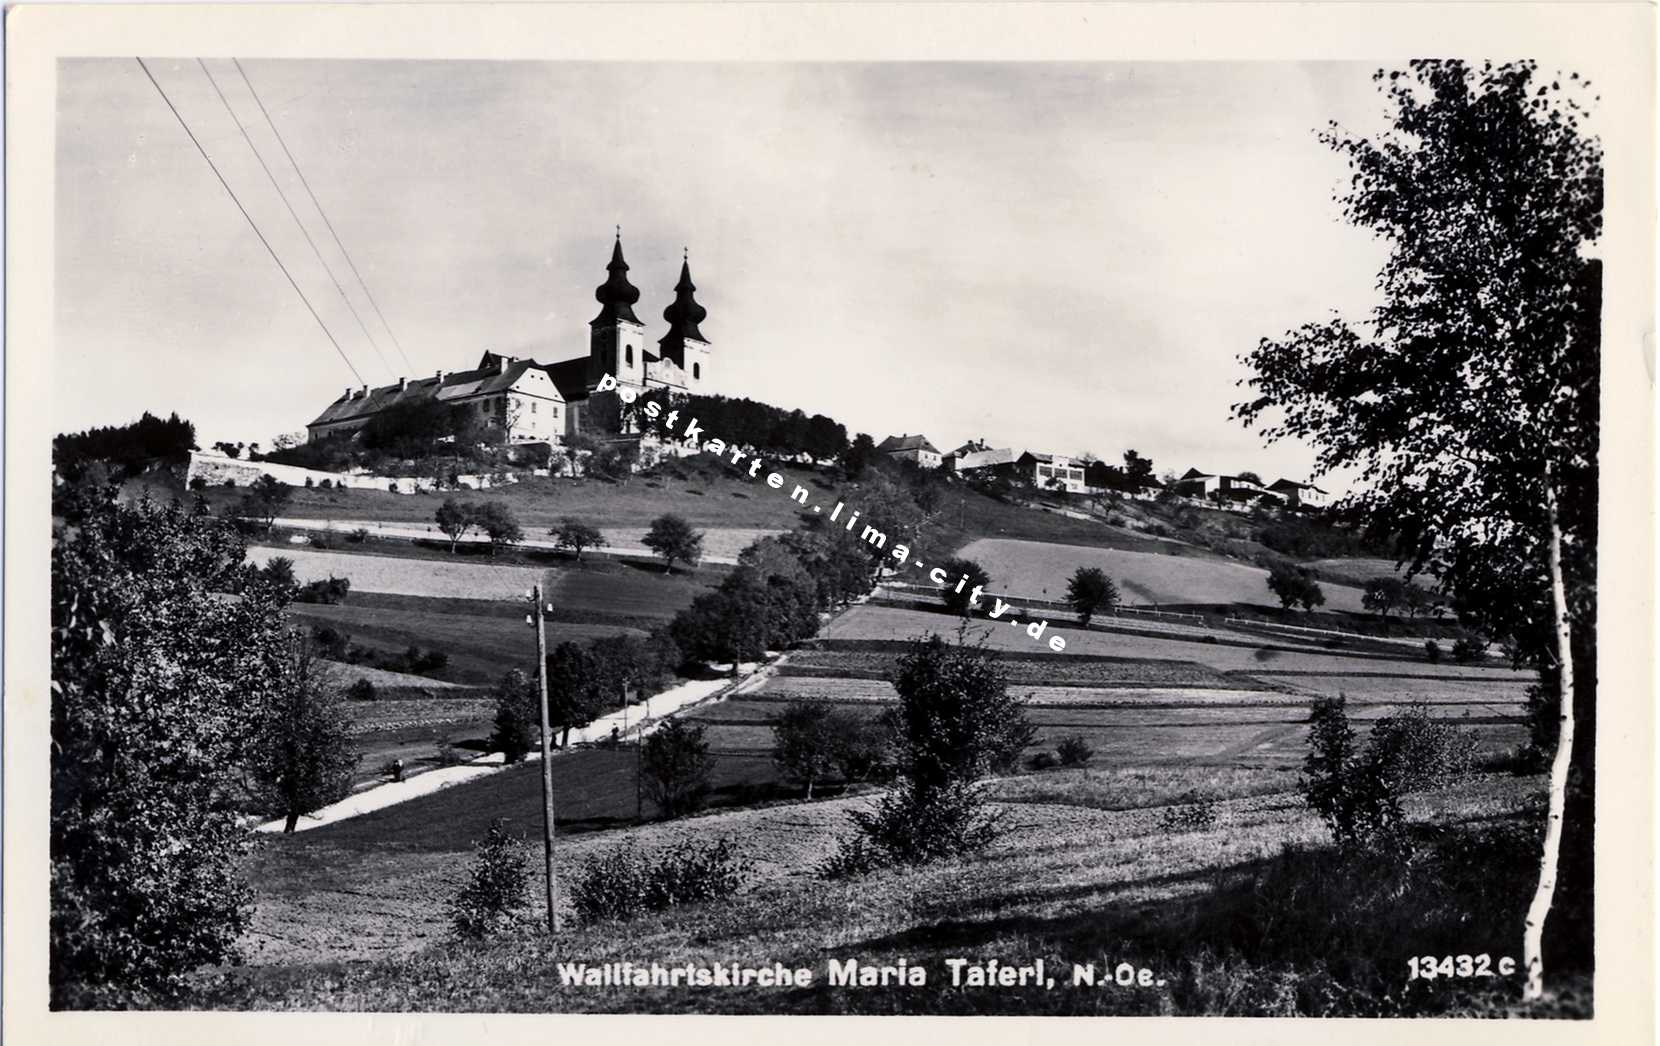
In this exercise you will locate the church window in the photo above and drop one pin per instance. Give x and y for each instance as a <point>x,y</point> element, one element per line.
<point>629,357</point>
<point>697,370</point>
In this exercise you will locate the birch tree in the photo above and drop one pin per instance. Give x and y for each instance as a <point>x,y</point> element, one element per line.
<point>1467,401</point>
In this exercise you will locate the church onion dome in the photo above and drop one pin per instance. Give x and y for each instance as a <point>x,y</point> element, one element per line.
<point>685,313</point>
<point>616,295</point>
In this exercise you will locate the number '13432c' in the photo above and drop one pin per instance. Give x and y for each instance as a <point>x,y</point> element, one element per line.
<point>1433,967</point>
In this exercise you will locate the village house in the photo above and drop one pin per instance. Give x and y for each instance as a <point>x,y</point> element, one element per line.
<point>1051,472</point>
<point>1221,489</point>
<point>532,402</point>
<point>999,460</point>
<point>1300,494</point>
<point>905,447</point>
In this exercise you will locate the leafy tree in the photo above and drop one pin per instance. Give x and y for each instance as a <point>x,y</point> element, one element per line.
<point>455,519</point>
<point>1089,590</point>
<point>153,677</point>
<point>279,572</point>
<point>674,539</point>
<point>674,767</point>
<point>1295,586</point>
<point>229,449</point>
<point>1138,471</point>
<point>1250,477</point>
<point>266,498</point>
<point>499,525</point>
<point>1348,789</point>
<point>497,890</point>
<point>576,689</point>
<point>1384,594</point>
<point>837,562</point>
<point>576,535</point>
<point>517,717</point>
<point>859,456</point>
<point>303,756</point>
<point>1468,401</point>
<point>728,624</point>
<point>806,741</point>
<point>962,578</point>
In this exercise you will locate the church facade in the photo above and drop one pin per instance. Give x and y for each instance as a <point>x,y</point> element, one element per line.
<point>532,402</point>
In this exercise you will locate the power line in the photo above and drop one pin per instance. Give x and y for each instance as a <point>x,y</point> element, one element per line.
<point>251,224</point>
<point>295,215</point>
<point>324,214</point>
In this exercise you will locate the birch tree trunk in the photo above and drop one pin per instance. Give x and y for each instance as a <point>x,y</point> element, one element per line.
<point>1534,929</point>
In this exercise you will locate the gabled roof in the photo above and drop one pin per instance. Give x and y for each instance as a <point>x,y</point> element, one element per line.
<point>570,377</point>
<point>981,459</point>
<point>481,381</point>
<point>1291,484</point>
<point>1196,474</point>
<point>906,442</point>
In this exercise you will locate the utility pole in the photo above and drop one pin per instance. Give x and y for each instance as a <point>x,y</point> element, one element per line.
<point>535,619</point>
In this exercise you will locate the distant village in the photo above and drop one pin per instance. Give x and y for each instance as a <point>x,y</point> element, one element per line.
<point>1085,475</point>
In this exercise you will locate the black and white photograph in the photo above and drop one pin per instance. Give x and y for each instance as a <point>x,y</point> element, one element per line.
<point>957,533</point>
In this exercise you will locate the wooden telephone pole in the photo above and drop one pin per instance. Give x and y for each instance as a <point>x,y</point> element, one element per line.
<point>547,756</point>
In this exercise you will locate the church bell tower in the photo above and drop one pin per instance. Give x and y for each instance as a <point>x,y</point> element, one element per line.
<point>617,338</point>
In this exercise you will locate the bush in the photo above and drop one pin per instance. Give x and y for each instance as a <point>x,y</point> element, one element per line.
<point>1415,751</point>
<point>1469,648</point>
<point>1295,586</point>
<point>911,825</point>
<point>362,690</point>
<point>1195,815</point>
<point>198,483</point>
<point>1357,802</point>
<point>447,754</point>
<point>320,541</point>
<point>228,482</point>
<point>1043,761</point>
<point>497,890</point>
<point>1074,751</point>
<point>855,855</point>
<point>623,882</point>
<point>963,577</point>
<point>359,535</point>
<point>1432,651</point>
<point>329,592</point>
<point>325,484</point>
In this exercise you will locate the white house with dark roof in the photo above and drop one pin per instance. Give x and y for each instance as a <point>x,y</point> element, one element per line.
<point>1296,493</point>
<point>1051,471</point>
<point>905,447</point>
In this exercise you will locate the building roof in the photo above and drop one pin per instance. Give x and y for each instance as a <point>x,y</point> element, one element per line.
<point>1291,484</point>
<point>903,442</point>
<point>684,313</point>
<point>983,459</point>
<point>570,378</point>
<point>1049,459</point>
<point>489,377</point>
<point>1196,474</point>
<point>973,446</point>
<point>616,295</point>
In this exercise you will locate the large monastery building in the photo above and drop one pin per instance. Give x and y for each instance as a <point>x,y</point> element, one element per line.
<point>546,403</point>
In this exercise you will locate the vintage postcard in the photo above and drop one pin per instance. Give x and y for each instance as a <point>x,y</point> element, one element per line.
<point>973,512</point>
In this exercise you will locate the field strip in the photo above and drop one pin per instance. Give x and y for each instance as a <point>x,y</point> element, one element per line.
<point>644,720</point>
<point>416,531</point>
<point>405,577</point>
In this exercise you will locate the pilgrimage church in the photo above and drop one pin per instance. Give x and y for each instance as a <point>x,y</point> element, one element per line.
<point>547,403</point>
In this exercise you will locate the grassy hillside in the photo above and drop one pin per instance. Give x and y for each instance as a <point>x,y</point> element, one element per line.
<point>1091,868</point>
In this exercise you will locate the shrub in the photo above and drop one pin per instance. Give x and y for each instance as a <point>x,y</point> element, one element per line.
<point>329,592</point>
<point>912,825</point>
<point>1073,750</point>
<point>1432,651</point>
<point>1344,788</point>
<point>623,882</point>
<point>1295,586</point>
<point>855,855</point>
<point>447,754</point>
<point>1195,815</point>
<point>325,484</point>
<point>496,891</point>
<point>320,541</point>
<point>228,482</point>
<point>1043,761</point>
<point>1469,648</point>
<point>674,767</point>
<point>1414,751</point>
<point>804,741</point>
<point>362,690</point>
<point>308,483</point>
<point>358,536</point>
<point>198,483</point>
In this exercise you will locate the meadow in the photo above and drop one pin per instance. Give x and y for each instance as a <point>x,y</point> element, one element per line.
<point>1041,570</point>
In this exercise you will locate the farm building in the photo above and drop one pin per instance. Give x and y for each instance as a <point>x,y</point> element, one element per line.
<point>1051,471</point>
<point>1209,486</point>
<point>546,403</point>
<point>1300,494</point>
<point>904,447</point>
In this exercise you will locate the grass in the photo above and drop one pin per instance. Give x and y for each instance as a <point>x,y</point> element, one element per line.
<point>1041,570</point>
<point>1255,917</point>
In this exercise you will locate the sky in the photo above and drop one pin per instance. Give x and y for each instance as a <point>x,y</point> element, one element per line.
<point>1049,256</point>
